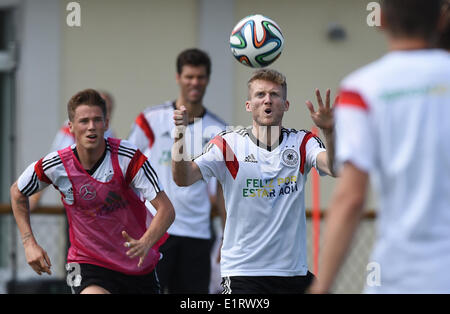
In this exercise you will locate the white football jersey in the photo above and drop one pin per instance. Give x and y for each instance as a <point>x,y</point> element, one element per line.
<point>153,134</point>
<point>265,231</point>
<point>392,121</point>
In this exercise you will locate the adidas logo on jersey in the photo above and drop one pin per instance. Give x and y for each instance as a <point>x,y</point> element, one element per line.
<point>250,158</point>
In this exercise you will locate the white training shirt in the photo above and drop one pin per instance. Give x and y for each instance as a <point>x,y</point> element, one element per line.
<point>265,231</point>
<point>145,183</point>
<point>153,134</point>
<point>393,121</point>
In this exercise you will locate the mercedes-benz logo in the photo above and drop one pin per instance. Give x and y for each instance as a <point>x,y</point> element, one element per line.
<point>87,192</point>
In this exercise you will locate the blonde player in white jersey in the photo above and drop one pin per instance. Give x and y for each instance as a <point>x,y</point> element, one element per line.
<point>392,124</point>
<point>263,173</point>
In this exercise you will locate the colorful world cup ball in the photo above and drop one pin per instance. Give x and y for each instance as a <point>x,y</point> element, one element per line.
<point>256,41</point>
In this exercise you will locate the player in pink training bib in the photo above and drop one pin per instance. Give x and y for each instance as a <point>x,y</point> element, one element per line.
<point>103,184</point>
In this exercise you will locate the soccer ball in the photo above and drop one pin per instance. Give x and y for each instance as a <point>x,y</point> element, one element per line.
<point>256,41</point>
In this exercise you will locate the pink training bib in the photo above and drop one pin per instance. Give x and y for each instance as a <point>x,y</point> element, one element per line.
<point>101,211</point>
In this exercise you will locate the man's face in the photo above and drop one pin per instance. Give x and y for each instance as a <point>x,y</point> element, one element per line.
<point>193,81</point>
<point>266,103</point>
<point>88,126</point>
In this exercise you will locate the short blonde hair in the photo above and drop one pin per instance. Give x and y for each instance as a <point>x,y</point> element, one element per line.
<point>271,76</point>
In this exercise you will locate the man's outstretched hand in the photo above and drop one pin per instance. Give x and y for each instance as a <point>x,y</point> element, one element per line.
<point>323,118</point>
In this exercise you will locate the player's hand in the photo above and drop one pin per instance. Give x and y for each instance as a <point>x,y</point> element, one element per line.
<point>136,247</point>
<point>37,258</point>
<point>180,116</point>
<point>323,118</point>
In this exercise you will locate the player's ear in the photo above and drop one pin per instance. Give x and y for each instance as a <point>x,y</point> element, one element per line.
<point>286,105</point>
<point>71,127</point>
<point>248,106</point>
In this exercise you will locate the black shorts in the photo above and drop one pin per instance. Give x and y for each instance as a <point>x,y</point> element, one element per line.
<point>266,284</point>
<point>185,266</point>
<point>84,275</point>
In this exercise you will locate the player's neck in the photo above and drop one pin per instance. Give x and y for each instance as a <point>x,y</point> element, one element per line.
<point>194,110</point>
<point>269,135</point>
<point>89,157</point>
<point>396,44</point>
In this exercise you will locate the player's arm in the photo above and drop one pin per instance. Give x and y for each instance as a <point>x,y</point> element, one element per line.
<point>63,138</point>
<point>164,217</point>
<point>323,118</point>
<point>34,200</point>
<point>184,171</point>
<point>325,160</point>
<point>145,181</point>
<point>36,257</point>
<point>220,205</point>
<point>342,219</point>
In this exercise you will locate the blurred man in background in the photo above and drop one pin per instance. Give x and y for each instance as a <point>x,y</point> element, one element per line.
<point>186,263</point>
